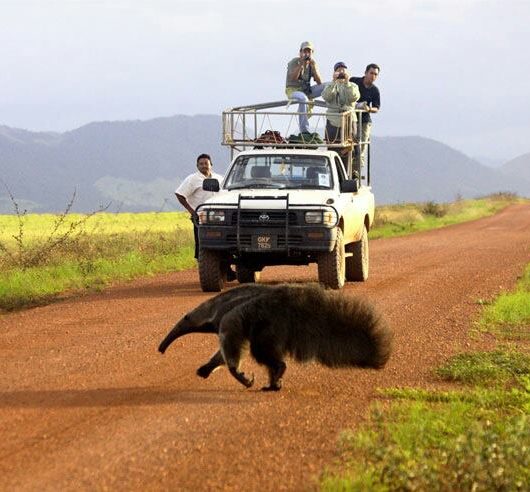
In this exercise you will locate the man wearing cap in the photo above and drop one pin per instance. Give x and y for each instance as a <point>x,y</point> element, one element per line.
<point>340,95</point>
<point>372,102</point>
<point>300,71</point>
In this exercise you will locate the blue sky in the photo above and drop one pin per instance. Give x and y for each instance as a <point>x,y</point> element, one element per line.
<point>456,71</point>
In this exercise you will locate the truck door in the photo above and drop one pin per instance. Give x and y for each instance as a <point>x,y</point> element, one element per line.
<point>349,206</point>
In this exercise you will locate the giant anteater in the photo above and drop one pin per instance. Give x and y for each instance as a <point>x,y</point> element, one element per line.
<point>303,321</point>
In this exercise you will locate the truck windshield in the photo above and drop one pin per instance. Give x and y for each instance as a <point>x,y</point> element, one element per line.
<point>280,171</point>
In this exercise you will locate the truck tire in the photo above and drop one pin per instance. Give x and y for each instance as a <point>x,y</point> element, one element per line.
<point>211,273</point>
<point>332,265</point>
<point>358,264</point>
<point>246,275</point>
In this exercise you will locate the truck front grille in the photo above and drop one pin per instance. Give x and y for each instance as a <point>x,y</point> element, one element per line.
<point>264,218</point>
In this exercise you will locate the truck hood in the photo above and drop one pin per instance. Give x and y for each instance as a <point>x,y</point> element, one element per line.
<point>296,197</point>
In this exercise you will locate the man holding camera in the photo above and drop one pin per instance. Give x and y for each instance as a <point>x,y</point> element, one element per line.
<point>300,71</point>
<point>340,95</point>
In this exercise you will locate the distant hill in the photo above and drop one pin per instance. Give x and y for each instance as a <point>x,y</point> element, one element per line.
<point>487,161</point>
<point>136,166</point>
<point>420,169</point>
<point>518,168</point>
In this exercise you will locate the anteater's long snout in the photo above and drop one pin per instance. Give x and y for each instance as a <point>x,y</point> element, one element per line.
<point>170,338</point>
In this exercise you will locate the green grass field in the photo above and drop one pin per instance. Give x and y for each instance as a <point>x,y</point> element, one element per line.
<point>475,437</point>
<point>43,256</point>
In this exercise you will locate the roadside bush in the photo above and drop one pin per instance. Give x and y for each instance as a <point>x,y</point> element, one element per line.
<point>26,253</point>
<point>435,209</point>
<point>503,196</point>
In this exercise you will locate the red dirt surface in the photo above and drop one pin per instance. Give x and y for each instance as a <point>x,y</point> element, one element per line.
<point>86,401</point>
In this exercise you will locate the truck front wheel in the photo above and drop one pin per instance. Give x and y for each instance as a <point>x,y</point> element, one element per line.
<point>211,273</point>
<point>331,266</point>
<point>357,264</point>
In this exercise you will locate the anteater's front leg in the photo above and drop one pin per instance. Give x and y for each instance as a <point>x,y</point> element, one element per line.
<point>232,342</point>
<point>216,361</point>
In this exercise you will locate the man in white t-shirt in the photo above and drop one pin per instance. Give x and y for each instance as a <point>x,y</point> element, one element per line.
<point>190,193</point>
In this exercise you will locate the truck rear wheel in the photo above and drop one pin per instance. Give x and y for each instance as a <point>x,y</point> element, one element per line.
<point>246,275</point>
<point>357,265</point>
<point>211,274</point>
<point>332,265</point>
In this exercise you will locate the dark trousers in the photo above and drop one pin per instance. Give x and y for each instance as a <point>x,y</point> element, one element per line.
<point>196,237</point>
<point>333,136</point>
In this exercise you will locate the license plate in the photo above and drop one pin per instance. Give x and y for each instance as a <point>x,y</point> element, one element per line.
<point>263,241</point>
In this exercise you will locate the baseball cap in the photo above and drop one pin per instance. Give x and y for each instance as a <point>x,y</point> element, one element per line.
<point>339,65</point>
<point>306,44</point>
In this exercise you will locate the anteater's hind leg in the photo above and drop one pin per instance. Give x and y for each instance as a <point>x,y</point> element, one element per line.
<point>232,341</point>
<point>266,350</point>
<point>276,370</point>
<point>216,361</point>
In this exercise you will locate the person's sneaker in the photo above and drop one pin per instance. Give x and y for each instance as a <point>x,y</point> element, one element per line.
<point>230,275</point>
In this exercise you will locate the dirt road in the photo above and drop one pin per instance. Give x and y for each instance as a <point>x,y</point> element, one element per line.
<point>86,401</point>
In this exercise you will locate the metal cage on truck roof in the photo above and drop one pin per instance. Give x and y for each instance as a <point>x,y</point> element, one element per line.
<point>244,125</point>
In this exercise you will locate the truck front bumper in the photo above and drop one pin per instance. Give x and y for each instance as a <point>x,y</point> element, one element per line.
<point>267,240</point>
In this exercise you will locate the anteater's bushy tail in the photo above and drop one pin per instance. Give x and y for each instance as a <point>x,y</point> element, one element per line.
<point>378,334</point>
<point>371,338</point>
<point>355,333</point>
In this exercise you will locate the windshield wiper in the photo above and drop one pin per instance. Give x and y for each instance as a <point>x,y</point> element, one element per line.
<point>256,185</point>
<point>309,186</point>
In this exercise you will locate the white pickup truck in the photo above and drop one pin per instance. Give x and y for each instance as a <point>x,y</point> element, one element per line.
<point>285,204</point>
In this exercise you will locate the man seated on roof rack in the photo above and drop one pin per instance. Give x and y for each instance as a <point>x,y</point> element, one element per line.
<point>340,96</point>
<point>300,71</point>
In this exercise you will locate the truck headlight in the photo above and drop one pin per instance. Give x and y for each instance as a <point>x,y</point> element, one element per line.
<point>216,216</point>
<point>211,216</point>
<point>313,217</point>
<point>324,217</point>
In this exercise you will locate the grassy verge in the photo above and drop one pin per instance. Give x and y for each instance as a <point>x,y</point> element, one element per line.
<point>476,437</point>
<point>400,220</point>
<point>42,256</point>
<point>509,315</point>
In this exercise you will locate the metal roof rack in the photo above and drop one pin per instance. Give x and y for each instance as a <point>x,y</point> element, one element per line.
<point>244,125</point>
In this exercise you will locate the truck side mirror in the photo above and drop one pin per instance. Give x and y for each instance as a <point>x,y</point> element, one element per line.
<point>349,186</point>
<point>210,184</point>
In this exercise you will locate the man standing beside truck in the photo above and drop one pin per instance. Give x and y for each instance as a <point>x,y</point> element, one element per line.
<point>190,193</point>
<point>371,97</point>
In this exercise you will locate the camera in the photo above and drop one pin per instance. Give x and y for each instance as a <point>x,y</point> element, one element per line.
<point>341,76</point>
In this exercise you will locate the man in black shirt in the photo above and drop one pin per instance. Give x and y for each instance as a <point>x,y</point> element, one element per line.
<point>370,96</point>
